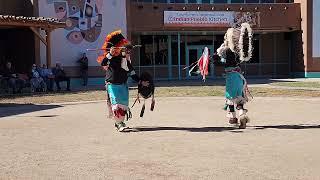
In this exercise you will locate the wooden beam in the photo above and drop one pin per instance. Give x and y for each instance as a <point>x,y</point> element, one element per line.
<point>48,47</point>
<point>32,24</point>
<point>38,35</point>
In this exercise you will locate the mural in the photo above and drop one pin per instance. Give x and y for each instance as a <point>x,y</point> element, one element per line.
<point>83,18</point>
<point>253,18</point>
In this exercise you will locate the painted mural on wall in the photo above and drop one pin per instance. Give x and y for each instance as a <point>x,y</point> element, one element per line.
<point>253,18</point>
<point>83,18</point>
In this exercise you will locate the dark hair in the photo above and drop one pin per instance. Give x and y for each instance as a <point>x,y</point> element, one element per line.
<point>146,91</point>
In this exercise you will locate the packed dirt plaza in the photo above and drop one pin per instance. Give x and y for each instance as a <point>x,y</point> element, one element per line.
<point>184,138</point>
<point>160,89</point>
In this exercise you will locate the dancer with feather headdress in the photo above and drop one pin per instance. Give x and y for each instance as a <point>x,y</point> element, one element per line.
<point>118,67</point>
<point>236,49</point>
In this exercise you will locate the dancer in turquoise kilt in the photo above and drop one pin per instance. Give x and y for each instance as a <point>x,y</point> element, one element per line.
<point>118,69</point>
<point>236,49</point>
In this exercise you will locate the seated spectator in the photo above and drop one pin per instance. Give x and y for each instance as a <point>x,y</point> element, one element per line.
<point>47,76</point>
<point>12,79</point>
<point>60,76</point>
<point>37,82</point>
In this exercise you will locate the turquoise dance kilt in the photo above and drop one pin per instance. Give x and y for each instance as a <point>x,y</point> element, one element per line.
<point>119,94</point>
<point>234,85</point>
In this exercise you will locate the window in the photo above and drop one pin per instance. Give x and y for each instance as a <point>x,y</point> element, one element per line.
<point>146,50</point>
<point>199,40</point>
<point>218,40</point>
<point>267,1</point>
<point>206,1</point>
<point>160,1</point>
<point>192,1</point>
<point>177,1</point>
<point>256,53</point>
<point>252,1</point>
<point>174,46</point>
<point>220,1</point>
<point>161,50</point>
<point>284,1</point>
<point>154,50</point>
<point>237,1</point>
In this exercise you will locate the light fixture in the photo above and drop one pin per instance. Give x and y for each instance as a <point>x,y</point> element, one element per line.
<point>228,9</point>
<point>256,8</point>
<point>241,8</point>
<point>184,8</point>
<point>270,8</point>
<point>285,8</point>
<point>212,8</point>
<point>198,7</point>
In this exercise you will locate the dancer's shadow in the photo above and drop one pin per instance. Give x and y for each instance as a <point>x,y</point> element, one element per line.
<point>190,129</point>
<point>291,126</point>
<point>233,129</point>
<point>11,109</point>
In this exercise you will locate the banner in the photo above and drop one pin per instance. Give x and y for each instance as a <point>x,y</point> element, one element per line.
<point>198,18</point>
<point>209,18</point>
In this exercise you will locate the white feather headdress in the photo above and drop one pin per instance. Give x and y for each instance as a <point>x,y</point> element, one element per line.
<point>239,40</point>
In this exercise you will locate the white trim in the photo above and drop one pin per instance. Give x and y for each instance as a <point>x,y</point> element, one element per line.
<point>109,56</point>
<point>245,26</point>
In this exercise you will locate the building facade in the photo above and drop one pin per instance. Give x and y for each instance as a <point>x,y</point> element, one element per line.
<point>173,34</point>
<point>170,45</point>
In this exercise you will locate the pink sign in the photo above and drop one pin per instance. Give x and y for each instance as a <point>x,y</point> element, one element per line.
<point>198,18</point>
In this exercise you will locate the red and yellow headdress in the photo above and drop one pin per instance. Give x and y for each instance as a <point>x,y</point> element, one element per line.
<point>114,39</point>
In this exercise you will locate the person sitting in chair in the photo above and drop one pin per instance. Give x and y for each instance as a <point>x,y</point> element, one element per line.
<point>37,82</point>
<point>12,78</point>
<point>60,76</point>
<point>47,76</point>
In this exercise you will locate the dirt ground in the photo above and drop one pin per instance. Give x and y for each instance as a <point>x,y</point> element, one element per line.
<point>184,138</point>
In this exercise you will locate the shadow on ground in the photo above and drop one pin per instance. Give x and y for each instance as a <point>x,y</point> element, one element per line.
<point>190,129</point>
<point>40,94</point>
<point>11,109</point>
<point>212,82</point>
<point>300,126</point>
<point>222,129</point>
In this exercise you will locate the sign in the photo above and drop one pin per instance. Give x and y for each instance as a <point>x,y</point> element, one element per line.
<point>209,18</point>
<point>198,18</point>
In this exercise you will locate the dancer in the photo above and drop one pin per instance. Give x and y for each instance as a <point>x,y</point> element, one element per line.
<point>117,69</point>
<point>237,48</point>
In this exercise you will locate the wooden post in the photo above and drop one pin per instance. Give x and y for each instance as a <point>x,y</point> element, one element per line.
<point>38,35</point>
<point>48,50</point>
<point>37,44</point>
